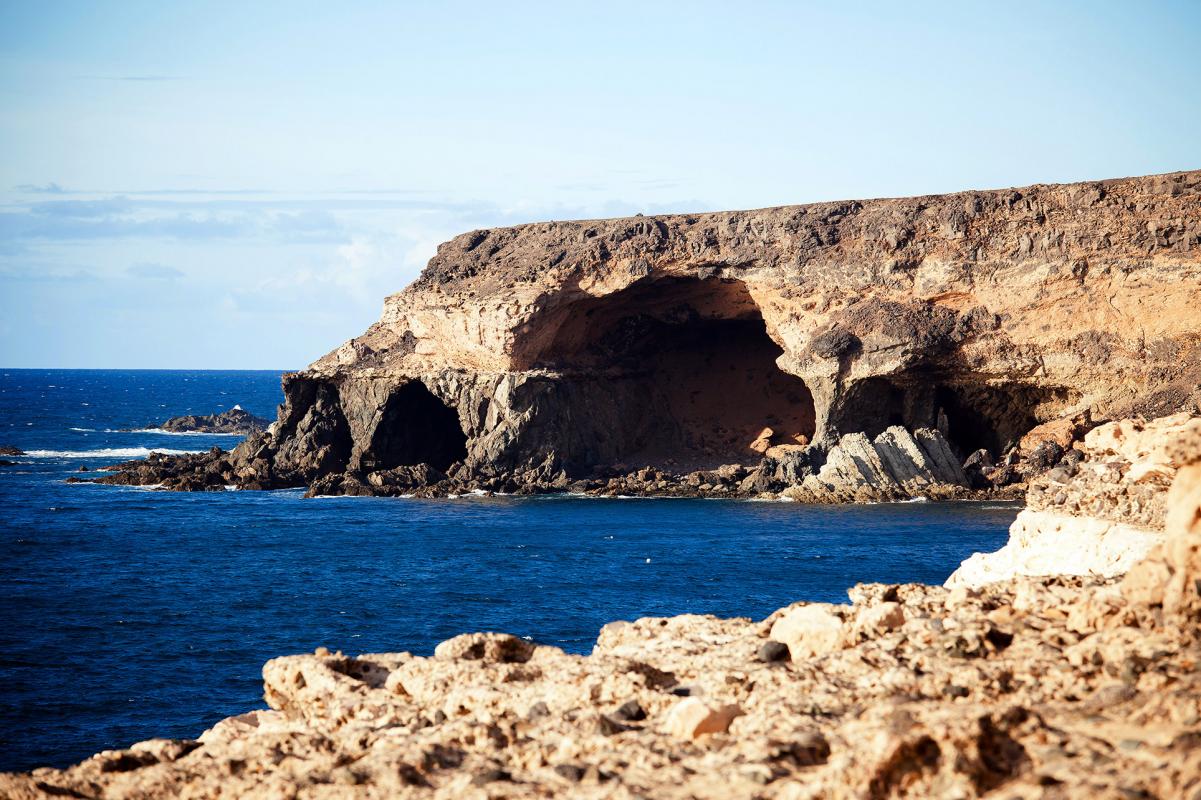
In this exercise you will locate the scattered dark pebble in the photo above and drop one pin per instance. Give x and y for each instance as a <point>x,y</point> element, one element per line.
<point>631,711</point>
<point>772,651</point>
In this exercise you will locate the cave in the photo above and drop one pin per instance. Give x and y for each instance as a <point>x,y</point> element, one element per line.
<point>971,414</point>
<point>993,418</point>
<point>415,427</point>
<point>674,372</point>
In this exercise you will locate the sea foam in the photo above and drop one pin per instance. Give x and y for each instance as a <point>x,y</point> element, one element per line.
<point>108,452</point>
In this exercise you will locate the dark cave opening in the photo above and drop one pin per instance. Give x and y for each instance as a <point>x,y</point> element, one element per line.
<point>415,427</point>
<point>972,415</point>
<point>985,417</point>
<point>690,368</point>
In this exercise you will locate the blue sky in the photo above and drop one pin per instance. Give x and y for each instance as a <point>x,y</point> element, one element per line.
<point>239,185</point>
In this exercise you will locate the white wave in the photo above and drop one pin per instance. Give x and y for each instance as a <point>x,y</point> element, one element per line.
<point>917,500</point>
<point>108,452</point>
<point>84,430</point>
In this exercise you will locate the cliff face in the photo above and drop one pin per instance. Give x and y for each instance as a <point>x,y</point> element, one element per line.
<point>541,354</point>
<point>1027,687</point>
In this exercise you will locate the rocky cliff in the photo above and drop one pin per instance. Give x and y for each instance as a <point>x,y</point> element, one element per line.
<point>1099,512</point>
<point>571,354</point>
<point>1056,687</point>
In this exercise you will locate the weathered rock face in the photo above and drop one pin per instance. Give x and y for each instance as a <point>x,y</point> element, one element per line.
<point>1100,511</point>
<point>1030,687</point>
<point>546,353</point>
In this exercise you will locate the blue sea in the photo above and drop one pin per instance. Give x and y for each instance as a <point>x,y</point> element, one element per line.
<point>127,613</point>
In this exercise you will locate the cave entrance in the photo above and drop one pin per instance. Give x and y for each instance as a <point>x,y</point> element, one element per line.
<point>985,417</point>
<point>972,415</point>
<point>687,370</point>
<point>416,427</point>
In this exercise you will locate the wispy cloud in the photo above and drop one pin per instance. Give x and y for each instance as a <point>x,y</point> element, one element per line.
<point>46,188</point>
<point>152,271</point>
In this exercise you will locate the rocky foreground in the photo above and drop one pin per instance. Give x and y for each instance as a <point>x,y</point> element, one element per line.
<point>1060,686</point>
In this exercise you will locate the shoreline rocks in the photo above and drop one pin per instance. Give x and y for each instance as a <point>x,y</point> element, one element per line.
<point>1099,512</point>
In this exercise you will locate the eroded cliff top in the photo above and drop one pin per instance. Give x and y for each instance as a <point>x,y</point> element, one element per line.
<point>1058,220</point>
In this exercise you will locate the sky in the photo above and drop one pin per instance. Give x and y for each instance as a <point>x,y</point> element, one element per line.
<point>239,185</point>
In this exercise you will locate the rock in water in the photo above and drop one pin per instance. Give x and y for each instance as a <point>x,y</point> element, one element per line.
<point>235,420</point>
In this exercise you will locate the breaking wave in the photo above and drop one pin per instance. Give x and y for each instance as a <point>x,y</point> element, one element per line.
<point>108,452</point>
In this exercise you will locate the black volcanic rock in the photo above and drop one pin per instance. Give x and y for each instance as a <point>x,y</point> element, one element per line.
<point>236,420</point>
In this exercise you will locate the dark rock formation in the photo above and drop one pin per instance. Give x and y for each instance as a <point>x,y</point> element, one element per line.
<point>568,355</point>
<point>235,420</point>
<point>9,450</point>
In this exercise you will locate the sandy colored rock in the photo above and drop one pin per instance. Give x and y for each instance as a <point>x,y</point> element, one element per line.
<point>691,718</point>
<point>1103,514</point>
<point>810,629</point>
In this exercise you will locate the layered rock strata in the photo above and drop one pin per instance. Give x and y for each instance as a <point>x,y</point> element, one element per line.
<point>531,357</point>
<point>1077,686</point>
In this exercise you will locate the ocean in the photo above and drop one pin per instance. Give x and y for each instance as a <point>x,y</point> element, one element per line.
<point>127,613</point>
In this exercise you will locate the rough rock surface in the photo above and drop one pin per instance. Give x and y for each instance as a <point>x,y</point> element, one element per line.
<point>1096,514</point>
<point>235,420</point>
<point>1057,687</point>
<point>527,358</point>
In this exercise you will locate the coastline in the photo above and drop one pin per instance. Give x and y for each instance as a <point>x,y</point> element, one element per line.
<point>909,689</point>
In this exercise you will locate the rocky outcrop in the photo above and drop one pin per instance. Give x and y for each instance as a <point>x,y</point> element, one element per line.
<point>1099,512</point>
<point>1077,686</point>
<point>235,420</point>
<point>532,357</point>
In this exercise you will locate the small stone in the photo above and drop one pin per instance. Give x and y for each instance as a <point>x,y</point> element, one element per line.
<point>606,725</point>
<point>571,772</point>
<point>772,651</point>
<point>490,776</point>
<point>691,718</point>
<point>809,630</point>
<point>631,711</point>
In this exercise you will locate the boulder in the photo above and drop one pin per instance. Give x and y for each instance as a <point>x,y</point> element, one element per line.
<point>810,629</point>
<point>691,718</point>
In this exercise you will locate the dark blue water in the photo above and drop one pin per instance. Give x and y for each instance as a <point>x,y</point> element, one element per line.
<point>127,613</point>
